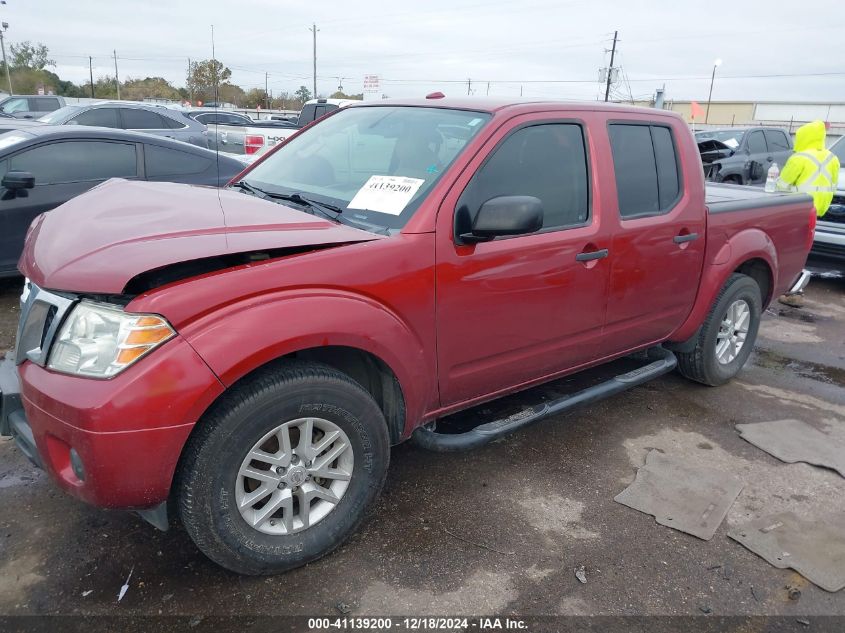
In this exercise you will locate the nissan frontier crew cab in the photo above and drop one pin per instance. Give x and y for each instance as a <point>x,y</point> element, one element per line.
<point>241,360</point>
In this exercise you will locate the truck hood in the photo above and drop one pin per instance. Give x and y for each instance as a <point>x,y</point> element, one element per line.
<point>100,240</point>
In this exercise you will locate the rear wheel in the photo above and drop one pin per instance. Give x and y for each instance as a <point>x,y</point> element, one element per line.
<point>283,469</point>
<point>727,336</point>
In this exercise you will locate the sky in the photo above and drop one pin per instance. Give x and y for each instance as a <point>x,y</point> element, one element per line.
<point>773,50</point>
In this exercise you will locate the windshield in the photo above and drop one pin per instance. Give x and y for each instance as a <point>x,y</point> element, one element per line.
<point>376,164</point>
<point>731,138</point>
<point>56,116</point>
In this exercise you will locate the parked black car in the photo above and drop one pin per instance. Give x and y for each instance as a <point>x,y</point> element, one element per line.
<point>742,155</point>
<point>44,166</point>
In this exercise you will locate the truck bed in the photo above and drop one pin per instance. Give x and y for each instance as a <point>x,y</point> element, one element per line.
<point>762,220</point>
<point>722,198</point>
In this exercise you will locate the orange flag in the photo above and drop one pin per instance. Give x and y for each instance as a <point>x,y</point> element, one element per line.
<point>697,110</point>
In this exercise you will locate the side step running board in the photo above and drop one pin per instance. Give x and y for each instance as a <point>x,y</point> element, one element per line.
<point>427,438</point>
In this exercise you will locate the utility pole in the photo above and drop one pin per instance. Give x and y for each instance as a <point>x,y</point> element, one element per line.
<point>266,94</point>
<point>469,86</point>
<point>488,88</point>
<point>5,26</point>
<point>116,78</point>
<point>716,64</point>
<point>314,30</point>
<point>91,75</point>
<point>610,70</point>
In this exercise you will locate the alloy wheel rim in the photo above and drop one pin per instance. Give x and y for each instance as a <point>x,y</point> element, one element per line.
<point>294,476</point>
<point>733,331</point>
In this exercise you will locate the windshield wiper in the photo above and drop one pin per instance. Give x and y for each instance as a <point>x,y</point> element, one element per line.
<point>245,186</point>
<point>329,211</point>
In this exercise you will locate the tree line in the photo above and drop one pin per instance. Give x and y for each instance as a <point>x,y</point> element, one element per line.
<point>206,81</point>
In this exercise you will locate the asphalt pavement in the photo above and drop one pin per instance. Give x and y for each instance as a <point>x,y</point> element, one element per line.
<point>500,530</point>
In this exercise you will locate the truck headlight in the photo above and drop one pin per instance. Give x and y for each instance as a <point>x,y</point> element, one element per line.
<point>101,340</point>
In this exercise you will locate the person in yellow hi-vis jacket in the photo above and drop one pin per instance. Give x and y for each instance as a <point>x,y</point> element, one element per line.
<point>811,169</point>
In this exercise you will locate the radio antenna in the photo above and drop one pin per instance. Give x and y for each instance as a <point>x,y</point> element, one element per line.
<point>216,106</point>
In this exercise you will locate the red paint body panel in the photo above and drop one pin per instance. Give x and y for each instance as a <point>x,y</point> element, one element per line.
<point>775,235</point>
<point>100,240</point>
<point>457,325</point>
<point>129,431</point>
<point>240,319</point>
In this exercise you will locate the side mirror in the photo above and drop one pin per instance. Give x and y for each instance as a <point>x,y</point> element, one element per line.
<point>15,180</point>
<point>505,215</point>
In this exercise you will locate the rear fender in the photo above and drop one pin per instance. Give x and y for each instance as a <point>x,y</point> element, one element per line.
<point>243,336</point>
<point>744,246</point>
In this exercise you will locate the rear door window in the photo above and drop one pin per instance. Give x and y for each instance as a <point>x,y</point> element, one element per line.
<point>77,161</point>
<point>99,117</point>
<point>777,141</point>
<point>756,142</point>
<point>172,122</point>
<point>164,161</point>
<point>646,168</point>
<point>138,119</point>
<point>45,104</point>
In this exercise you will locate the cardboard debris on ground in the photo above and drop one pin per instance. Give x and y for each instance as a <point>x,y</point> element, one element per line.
<point>815,549</point>
<point>796,441</point>
<point>693,499</point>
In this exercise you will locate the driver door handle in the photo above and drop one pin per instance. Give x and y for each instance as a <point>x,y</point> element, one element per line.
<point>591,255</point>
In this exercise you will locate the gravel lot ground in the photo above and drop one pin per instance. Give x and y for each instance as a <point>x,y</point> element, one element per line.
<point>499,530</point>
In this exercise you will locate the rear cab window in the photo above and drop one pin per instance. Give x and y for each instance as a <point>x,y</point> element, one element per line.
<point>645,162</point>
<point>777,141</point>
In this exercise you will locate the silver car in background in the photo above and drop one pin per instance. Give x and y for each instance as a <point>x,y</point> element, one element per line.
<point>137,117</point>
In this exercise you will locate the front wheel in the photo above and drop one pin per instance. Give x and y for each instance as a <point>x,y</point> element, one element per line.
<point>283,469</point>
<point>727,336</point>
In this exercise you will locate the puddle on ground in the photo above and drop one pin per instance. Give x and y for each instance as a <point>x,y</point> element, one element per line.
<point>822,373</point>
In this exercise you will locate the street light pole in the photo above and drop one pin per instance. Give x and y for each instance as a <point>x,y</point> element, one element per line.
<point>716,64</point>
<point>5,26</point>
<point>314,30</point>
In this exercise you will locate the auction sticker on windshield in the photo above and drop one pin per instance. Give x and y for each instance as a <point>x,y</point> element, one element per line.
<point>386,194</point>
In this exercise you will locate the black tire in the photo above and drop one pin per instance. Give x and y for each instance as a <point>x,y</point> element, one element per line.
<point>701,364</point>
<point>208,470</point>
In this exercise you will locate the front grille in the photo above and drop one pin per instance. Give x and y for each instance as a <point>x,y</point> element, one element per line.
<point>41,315</point>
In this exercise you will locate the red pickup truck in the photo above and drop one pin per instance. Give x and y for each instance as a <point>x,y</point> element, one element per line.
<point>244,359</point>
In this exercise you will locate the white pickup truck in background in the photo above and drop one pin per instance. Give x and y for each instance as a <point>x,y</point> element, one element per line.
<point>236,133</point>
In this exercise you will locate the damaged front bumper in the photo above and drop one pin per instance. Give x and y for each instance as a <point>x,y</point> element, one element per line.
<point>13,421</point>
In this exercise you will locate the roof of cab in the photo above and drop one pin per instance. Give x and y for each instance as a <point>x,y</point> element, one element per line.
<point>492,105</point>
